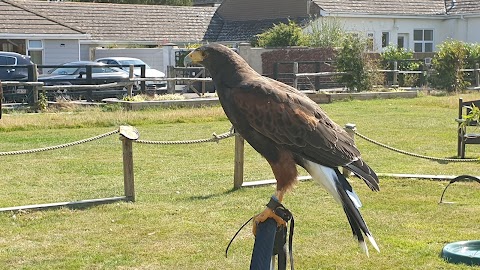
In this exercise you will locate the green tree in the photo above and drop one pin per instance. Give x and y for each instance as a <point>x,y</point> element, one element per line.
<point>282,35</point>
<point>327,33</point>
<point>473,54</point>
<point>352,59</point>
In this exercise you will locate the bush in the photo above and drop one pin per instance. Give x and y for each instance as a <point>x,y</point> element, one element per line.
<point>451,57</point>
<point>282,35</point>
<point>329,34</point>
<point>353,60</point>
<point>404,62</point>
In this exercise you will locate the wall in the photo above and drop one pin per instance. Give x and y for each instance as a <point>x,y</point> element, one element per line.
<point>253,56</point>
<point>152,56</point>
<point>296,55</point>
<point>397,26</point>
<point>57,51</point>
<point>85,52</point>
<point>472,30</point>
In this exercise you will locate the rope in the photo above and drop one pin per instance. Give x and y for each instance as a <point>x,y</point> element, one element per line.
<point>58,146</point>
<point>215,138</point>
<point>440,160</point>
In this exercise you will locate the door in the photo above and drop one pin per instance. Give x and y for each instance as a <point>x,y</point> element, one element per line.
<point>402,41</point>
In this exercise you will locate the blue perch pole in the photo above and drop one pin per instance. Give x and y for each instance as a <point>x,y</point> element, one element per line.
<point>263,247</point>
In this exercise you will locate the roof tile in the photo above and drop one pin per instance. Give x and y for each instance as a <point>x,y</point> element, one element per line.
<point>17,19</point>
<point>126,22</point>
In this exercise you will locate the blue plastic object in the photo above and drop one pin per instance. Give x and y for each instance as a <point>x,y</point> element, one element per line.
<point>467,252</point>
<point>263,246</point>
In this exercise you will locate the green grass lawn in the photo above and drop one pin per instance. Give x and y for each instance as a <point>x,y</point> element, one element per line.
<point>186,210</point>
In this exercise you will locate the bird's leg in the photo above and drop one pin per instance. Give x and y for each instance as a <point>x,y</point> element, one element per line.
<point>269,211</point>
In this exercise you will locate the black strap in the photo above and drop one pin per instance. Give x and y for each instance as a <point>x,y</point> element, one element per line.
<point>458,178</point>
<point>280,237</point>
<point>231,240</point>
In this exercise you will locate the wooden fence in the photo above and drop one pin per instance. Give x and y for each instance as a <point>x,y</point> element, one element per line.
<point>424,72</point>
<point>127,135</point>
<point>28,91</point>
<point>194,78</point>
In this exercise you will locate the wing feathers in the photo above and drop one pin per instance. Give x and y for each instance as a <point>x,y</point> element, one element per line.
<point>362,170</point>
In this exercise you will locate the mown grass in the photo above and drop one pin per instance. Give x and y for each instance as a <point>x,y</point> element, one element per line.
<point>186,210</point>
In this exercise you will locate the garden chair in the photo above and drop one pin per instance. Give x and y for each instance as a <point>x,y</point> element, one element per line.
<point>466,133</point>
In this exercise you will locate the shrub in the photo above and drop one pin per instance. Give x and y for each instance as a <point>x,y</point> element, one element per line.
<point>328,34</point>
<point>282,35</point>
<point>404,62</point>
<point>451,57</point>
<point>353,60</point>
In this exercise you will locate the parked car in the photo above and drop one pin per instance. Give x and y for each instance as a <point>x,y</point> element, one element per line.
<point>9,71</point>
<point>125,62</point>
<point>75,73</point>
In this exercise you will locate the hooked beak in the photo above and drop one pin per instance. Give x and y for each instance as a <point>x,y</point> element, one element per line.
<point>194,57</point>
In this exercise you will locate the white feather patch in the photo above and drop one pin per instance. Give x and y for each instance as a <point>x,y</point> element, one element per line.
<point>355,199</point>
<point>325,177</point>
<point>373,242</point>
<point>364,247</point>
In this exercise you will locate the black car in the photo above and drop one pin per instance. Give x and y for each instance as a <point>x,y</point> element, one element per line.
<point>8,66</point>
<point>13,67</point>
<point>76,73</point>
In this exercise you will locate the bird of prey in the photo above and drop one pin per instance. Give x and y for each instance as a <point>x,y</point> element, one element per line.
<point>287,128</point>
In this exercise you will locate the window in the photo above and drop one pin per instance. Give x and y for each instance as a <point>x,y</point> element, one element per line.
<point>385,39</point>
<point>370,42</point>
<point>423,40</point>
<point>35,44</point>
<point>8,61</point>
<point>35,51</point>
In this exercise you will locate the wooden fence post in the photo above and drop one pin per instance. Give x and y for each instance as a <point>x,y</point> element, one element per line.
<point>143,74</point>
<point>295,72</point>
<point>239,161</point>
<point>171,83</point>
<point>35,87</point>
<point>395,74</point>
<point>350,128</point>
<point>423,75</point>
<point>317,78</point>
<point>477,74</point>
<point>1,98</point>
<point>275,71</point>
<point>131,75</point>
<point>89,81</point>
<point>128,134</point>
<point>32,77</point>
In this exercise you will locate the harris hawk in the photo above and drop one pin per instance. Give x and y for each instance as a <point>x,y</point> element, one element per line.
<point>287,128</point>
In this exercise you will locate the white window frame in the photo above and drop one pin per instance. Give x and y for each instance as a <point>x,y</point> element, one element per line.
<point>423,42</point>
<point>36,48</point>
<point>385,34</point>
<point>33,48</point>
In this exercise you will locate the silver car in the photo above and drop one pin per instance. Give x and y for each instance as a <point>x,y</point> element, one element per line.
<point>125,62</point>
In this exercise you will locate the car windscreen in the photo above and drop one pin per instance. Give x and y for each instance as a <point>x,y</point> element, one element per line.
<point>103,70</point>
<point>64,71</point>
<point>133,62</point>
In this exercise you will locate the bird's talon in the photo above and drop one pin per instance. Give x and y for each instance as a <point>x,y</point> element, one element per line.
<point>266,214</point>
